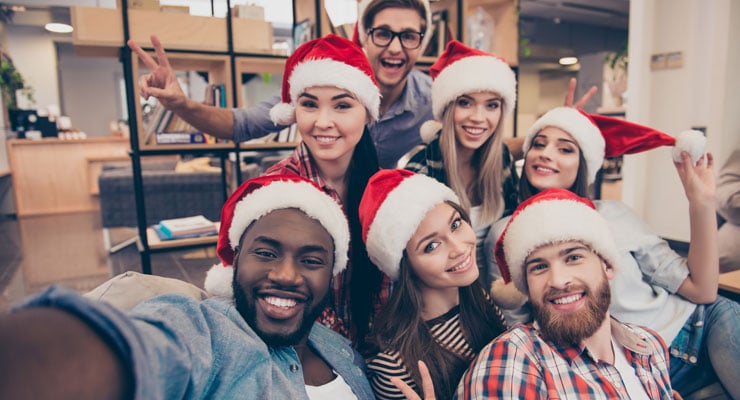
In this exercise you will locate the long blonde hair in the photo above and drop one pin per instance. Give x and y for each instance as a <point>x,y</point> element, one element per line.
<point>487,186</point>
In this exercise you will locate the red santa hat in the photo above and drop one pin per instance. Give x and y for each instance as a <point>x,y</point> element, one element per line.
<point>600,136</point>
<point>461,69</point>
<point>359,35</point>
<point>258,197</point>
<point>327,61</point>
<point>551,216</point>
<point>393,205</point>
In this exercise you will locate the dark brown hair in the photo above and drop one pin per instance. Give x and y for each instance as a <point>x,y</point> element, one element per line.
<point>377,6</point>
<point>400,327</point>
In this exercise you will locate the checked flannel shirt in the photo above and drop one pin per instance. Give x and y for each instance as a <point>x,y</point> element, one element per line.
<point>520,364</point>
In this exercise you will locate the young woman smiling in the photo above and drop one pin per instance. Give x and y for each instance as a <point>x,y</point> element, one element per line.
<point>439,313</point>
<point>330,93</point>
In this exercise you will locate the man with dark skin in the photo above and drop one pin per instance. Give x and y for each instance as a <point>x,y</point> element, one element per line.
<point>285,239</point>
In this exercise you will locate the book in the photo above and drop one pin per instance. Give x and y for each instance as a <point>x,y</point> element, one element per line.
<point>163,236</point>
<point>195,225</point>
<point>180,137</point>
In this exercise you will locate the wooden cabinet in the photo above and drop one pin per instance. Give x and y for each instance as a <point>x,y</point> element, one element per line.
<point>53,175</point>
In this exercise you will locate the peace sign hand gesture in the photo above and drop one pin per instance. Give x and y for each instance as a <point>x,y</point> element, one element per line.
<point>161,82</point>
<point>427,386</point>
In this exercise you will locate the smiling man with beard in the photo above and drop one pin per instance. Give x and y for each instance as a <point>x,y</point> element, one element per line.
<point>256,339</point>
<point>558,250</point>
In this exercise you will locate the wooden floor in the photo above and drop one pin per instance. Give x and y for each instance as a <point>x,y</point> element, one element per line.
<point>68,249</point>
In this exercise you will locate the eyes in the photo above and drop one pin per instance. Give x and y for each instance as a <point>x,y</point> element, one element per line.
<point>433,244</point>
<point>466,102</point>
<point>563,147</point>
<point>540,266</point>
<point>307,260</point>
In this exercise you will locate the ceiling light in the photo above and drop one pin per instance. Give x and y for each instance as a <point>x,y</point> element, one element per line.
<point>568,60</point>
<point>57,27</point>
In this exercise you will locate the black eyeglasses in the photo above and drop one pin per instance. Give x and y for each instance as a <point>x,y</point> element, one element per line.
<point>383,37</point>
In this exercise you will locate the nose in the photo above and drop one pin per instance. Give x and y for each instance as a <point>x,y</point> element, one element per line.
<point>457,247</point>
<point>395,44</point>
<point>324,118</point>
<point>285,273</point>
<point>559,276</point>
<point>547,152</point>
<point>477,114</point>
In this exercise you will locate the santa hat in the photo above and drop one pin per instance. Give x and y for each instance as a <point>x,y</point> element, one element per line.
<point>327,61</point>
<point>551,216</point>
<point>258,197</point>
<point>600,136</point>
<point>359,35</point>
<point>461,69</point>
<point>393,205</point>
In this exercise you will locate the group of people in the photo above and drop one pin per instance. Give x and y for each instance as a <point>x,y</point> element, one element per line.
<point>342,276</point>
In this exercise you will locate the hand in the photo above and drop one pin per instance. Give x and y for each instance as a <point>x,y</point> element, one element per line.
<point>161,82</point>
<point>697,178</point>
<point>427,386</point>
<point>572,92</point>
<point>677,396</point>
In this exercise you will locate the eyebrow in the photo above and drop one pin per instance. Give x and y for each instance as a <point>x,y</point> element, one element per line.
<point>539,135</point>
<point>431,235</point>
<point>499,98</point>
<point>337,97</point>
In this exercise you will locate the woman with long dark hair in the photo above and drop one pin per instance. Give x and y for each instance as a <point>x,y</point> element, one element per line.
<point>439,313</point>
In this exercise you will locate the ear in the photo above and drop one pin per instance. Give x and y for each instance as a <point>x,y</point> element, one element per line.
<point>608,269</point>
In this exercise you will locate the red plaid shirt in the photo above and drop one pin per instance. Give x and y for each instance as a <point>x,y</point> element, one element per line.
<point>337,315</point>
<point>520,364</point>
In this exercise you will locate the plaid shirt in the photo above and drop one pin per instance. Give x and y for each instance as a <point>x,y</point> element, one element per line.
<point>337,315</point>
<point>428,161</point>
<point>520,364</point>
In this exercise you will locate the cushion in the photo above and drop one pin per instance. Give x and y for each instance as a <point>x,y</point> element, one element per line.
<point>130,288</point>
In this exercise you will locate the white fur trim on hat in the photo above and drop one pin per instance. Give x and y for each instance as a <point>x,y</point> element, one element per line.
<point>328,72</point>
<point>691,141</point>
<point>429,129</point>
<point>219,279</point>
<point>473,74</point>
<point>555,221</point>
<point>282,114</point>
<point>398,217</point>
<point>362,29</point>
<point>589,137</point>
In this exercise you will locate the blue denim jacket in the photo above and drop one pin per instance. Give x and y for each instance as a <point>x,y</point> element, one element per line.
<point>394,134</point>
<point>179,348</point>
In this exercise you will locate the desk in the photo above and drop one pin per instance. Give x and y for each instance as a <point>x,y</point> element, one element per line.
<point>51,176</point>
<point>730,281</point>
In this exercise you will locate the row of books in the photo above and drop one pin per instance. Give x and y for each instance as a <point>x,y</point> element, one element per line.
<point>165,127</point>
<point>186,227</point>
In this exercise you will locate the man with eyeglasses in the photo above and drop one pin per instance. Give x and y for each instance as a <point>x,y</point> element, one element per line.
<point>394,33</point>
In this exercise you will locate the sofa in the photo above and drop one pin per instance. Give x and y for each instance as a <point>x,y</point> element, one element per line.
<point>167,193</point>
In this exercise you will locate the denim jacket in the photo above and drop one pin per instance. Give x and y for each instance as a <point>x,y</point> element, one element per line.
<point>180,348</point>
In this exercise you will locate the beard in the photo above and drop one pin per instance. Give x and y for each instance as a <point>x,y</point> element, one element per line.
<point>572,328</point>
<point>247,307</point>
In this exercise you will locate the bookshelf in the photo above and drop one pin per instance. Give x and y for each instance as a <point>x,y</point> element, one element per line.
<point>220,48</point>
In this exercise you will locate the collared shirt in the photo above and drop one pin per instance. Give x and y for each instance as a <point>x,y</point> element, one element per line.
<point>181,348</point>
<point>337,316</point>
<point>521,364</point>
<point>394,134</point>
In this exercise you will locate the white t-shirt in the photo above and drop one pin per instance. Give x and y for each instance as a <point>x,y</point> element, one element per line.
<point>336,389</point>
<point>627,372</point>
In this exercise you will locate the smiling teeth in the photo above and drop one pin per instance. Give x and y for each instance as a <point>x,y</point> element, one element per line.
<point>325,139</point>
<point>475,131</point>
<point>544,169</point>
<point>568,300</point>
<point>280,302</point>
<point>462,265</point>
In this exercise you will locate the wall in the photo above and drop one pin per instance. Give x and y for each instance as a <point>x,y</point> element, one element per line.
<point>35,57</point>
<point>89,90</point>
<point>538,93</point>
<point>701,93</point>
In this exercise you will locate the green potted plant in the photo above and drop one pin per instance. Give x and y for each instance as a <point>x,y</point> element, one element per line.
<point>10,82</point>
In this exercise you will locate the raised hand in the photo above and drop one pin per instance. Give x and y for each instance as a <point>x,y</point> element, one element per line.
<point>697,178</point>
<point>427,386</point>
<point>161,82</point>
<point>572,92</point>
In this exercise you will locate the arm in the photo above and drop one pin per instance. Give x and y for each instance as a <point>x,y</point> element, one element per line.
<point>698,181</point>
<point>42,362</point>
<point>162,83</point>
<point>728,189</point>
